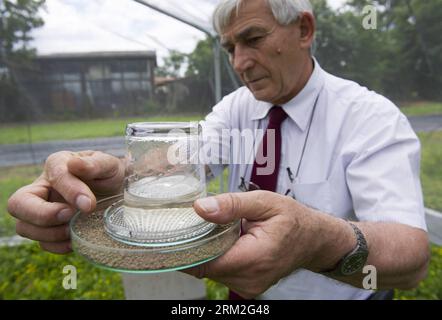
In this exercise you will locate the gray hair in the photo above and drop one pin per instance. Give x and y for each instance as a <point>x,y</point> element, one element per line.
<point>284,11</point>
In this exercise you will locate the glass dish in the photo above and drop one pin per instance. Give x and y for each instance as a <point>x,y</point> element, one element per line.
<point>90,240</point>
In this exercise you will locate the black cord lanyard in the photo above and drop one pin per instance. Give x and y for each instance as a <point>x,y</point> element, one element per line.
<point>307,135</point>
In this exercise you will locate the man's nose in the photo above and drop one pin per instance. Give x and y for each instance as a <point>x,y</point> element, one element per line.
<point>242,59</point>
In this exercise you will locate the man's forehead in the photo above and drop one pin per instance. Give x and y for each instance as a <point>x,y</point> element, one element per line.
<point>255,14</point>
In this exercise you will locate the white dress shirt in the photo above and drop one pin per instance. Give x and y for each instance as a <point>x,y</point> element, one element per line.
<point>361,162</point>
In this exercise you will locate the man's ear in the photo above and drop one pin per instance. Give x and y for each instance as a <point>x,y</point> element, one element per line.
<point>307,25</point>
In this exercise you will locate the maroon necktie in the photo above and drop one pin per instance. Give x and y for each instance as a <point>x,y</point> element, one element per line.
<point>269,179</point>
<point>265,175</point>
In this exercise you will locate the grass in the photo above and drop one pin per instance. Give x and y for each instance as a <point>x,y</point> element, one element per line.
<point>431,169</point>
<point>431,287</point>
<point>12,179</point>
<point>28,272</point>
<point>422,108</point>
<point>81,129</point>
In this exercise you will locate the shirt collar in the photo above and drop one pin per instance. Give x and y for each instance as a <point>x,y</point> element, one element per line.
<point>299,109</point>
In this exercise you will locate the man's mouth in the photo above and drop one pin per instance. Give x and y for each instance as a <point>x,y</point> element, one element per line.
<point>255,80</point>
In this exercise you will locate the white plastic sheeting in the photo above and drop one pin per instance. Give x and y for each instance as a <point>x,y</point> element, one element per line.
<point>121,25</point>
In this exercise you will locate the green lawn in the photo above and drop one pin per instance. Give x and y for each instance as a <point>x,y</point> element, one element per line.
<point>28,272</point>
<point>12,179</point>
<point>431,287</point>
<point>422,109</point>
<point>431,169</point>
<point>81,129</point>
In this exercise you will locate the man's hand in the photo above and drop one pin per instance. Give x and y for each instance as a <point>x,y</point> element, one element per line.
<point>282,235</point>
<point>277,230</point>
<point>69,181</point>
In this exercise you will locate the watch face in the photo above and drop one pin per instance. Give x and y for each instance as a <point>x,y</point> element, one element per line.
<point>354,263</point>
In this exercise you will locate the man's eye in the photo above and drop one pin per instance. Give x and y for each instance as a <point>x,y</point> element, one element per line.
<point>230,50</point>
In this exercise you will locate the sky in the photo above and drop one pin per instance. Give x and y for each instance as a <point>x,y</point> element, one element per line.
<point>122,25</point>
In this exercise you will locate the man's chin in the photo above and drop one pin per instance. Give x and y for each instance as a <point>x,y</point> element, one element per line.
<point>260,95</point>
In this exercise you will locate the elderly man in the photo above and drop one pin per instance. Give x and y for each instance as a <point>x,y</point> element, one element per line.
<point>344,192</point>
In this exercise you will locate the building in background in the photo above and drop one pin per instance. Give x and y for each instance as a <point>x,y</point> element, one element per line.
<point>92,84</point>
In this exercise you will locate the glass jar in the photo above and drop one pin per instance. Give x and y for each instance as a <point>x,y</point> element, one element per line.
<point>163,178</point>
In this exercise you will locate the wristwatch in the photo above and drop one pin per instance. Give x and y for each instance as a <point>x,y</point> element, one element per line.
<point>353,261</point>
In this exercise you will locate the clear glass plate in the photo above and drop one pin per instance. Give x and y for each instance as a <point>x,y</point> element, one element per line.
<point>90,240</point>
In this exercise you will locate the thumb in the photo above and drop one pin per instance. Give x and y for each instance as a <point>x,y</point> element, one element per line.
<point>227,207</point>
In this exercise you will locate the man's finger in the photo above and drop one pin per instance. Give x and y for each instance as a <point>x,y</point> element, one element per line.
<point>95,166</point>
<point>71,188</point>
<point>102,172</point>
<point>57,247</point>
<point>227,207</point>
<point>232,261</point>
<point>52,234</point>
<point>31,208</point>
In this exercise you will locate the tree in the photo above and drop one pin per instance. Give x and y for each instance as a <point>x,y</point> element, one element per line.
<point>401,58</point>
<point>201,66</point>
<point>201,59</point>
<point>409,35</point>
<point>346,49</point>
<point>422,44</point>
<point>173,64</point>
<point>198,69</point>
<point>17,19</point>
